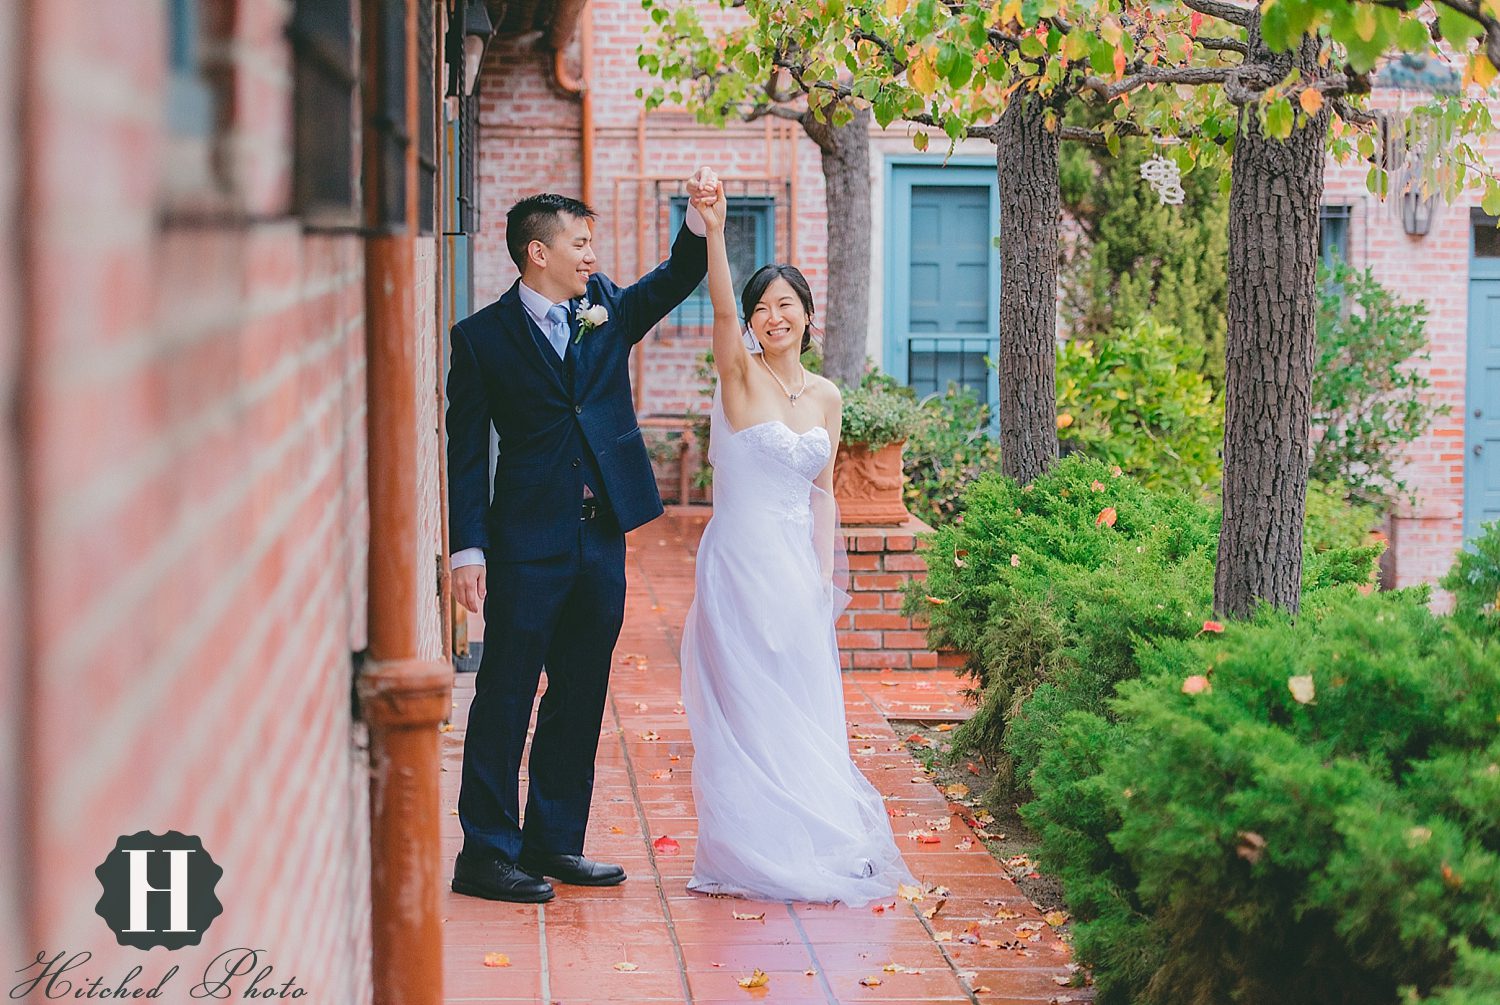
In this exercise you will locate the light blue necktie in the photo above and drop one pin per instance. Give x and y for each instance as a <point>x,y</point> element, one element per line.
<point>559,334</point>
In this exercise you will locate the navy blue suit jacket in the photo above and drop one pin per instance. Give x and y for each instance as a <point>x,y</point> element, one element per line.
<point>499,375</point>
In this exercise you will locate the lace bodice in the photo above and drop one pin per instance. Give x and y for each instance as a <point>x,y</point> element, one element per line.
<point>767,466</point>
<point>806,453</point>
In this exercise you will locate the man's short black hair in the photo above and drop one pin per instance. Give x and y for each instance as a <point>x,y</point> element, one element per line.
<point>539,218</point>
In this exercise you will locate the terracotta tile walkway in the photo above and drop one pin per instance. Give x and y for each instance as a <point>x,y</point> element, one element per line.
<point>686,948</point>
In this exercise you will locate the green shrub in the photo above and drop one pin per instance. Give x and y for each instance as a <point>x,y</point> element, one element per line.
<point>949,447</point>
<point>1474,582</point>
<point>1138,398</point>
<point>1333,520</point>
<point>879,412</point>
<point>1053,604</point>
<point>1250,843</point>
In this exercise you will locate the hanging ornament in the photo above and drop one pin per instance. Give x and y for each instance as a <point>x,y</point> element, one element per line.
<point>1165,177</point>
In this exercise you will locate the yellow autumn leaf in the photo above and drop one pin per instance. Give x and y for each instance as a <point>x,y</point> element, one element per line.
<point>907,891</point>
<point>1311,100</point>
<point>1055,918</point>
<point>922,74</point>
<point>496,960</point>
<point>870,982</point>
<point>739,916</point>
<point>626,968</point>
<point>1482,70</point>
<point>895,8</point>
<point>758,979</point>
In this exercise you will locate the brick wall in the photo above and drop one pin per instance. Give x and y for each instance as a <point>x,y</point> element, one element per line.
<point>197,463</point>
<point>12,603</point>
<point>873,633</point>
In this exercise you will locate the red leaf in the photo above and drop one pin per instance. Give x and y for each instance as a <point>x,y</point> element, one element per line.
<point>1195,22</point>
<point>1212,626</point>
<point>666,846</point>
<point>1106,517</point>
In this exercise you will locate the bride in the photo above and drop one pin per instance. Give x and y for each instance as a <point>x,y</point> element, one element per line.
<point>783,813</point>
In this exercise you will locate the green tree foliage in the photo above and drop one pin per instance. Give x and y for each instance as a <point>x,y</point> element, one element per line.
<point>1369,401</point>
<point>1138,398</point>
<point>1139,258</point>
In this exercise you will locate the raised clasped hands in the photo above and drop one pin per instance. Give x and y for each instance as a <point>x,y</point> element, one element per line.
<point>706,195</point>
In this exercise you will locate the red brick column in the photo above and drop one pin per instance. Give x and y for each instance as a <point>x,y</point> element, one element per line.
<point>873,633</point>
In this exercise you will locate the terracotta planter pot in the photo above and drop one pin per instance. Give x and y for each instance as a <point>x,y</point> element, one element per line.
<point>867,484</point>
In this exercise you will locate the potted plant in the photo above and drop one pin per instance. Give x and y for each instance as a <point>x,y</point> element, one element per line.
<point>867,476</point>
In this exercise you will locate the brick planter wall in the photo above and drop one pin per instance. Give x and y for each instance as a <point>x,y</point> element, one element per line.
<point>873,633</point>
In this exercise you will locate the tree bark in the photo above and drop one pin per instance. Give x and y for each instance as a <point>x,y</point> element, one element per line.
<point>1270,347</point>
<point>846,179</point>
<point>1030,203</point>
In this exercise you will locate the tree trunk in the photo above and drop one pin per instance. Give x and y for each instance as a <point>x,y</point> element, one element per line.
<point>1270,347</point>
<point>1030,201</point>
<point>846,178</point>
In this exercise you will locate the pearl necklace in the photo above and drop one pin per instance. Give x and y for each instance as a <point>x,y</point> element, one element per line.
<point>790,396</point>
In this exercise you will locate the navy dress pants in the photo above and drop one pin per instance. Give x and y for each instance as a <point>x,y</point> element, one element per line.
<point>562,614</point>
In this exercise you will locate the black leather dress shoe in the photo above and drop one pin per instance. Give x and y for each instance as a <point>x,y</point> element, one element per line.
<point>574,869</point>
<point>478,876</point>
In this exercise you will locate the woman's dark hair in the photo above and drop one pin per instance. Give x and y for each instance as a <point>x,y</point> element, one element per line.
<point>768,274</point>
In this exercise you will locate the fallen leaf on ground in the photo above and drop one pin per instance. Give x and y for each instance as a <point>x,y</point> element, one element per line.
<point>616,829</point>
<point>1097,485</point>
<point>944,727</point>
<point>964,844</point>
<point>1106,518</point>
<point>973,768</point>
<point>650,734</point>
<point>1006,914</point>
<point>870,982</point>
<point>1212,626</point>
<point>907,891</point>
<point>809,973</point>
<point>627,968</point>
<point>739,916</point>
<point>932,911</point>
<point>942,936</point>
<point>1302,688</point>
<point>758,979</point>
<point>1055,918</point>
<point>496,960</point>
<point>1062,982</point>
<point>661,773</point>
<point>938,601</point>
<point>1196,684</point>
<point>882,908</point>
<point>641,706</point>
<point>957,790</point>
<point>1251,847</point>
<point>666,846</point>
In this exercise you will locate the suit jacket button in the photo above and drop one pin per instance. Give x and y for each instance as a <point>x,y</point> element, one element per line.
<point>575,462</point>
<point>577,409</point>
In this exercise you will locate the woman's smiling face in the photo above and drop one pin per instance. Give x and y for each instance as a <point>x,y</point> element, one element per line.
<point>779,319</point>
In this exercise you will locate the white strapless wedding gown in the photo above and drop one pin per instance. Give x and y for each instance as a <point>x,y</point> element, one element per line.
<point>783,813</point>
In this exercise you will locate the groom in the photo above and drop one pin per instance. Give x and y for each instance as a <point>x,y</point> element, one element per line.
<point>547,365</point>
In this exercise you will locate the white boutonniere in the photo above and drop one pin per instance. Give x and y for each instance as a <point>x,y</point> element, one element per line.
<point>589,317</point>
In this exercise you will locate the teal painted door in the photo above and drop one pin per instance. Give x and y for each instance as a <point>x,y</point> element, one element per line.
<point>1482,397</point>
<point>942,278</point>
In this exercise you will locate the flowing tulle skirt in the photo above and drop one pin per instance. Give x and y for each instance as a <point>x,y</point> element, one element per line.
<point>783,813</point>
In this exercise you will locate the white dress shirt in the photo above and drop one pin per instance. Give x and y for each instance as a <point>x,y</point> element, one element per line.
<point>537,306</point>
